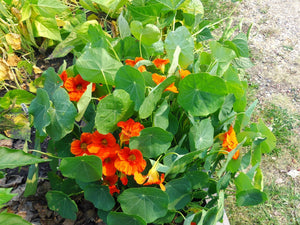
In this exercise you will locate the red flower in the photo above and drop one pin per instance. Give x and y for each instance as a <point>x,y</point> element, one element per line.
<point>80,147</point>
<point>113,189</point>
<point>76,86</point>
<point>158,79</point>
<point>110,180</point>
<point>129,129</point>
<point>130,161</point>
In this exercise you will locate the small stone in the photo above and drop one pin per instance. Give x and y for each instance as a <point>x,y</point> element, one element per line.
<point>293,173</point>
<point>279,181</point>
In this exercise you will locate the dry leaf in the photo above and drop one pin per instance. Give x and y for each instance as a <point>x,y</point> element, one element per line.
<point>37,70</point>
<point>14,40</point>
<point>4,70</point>
<point>6,143</point>
<point>13,59</point>
<point>16,13</point>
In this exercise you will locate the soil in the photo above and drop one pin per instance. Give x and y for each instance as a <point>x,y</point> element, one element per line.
<point>275,49</point>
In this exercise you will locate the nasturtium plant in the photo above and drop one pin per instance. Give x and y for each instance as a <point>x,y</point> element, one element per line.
<point>151,122</point>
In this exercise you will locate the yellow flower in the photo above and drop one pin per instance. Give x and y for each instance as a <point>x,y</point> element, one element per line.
<point>152,177</point>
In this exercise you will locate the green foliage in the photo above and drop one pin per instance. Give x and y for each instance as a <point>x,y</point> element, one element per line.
<point>12,158</point>
<point>147,203</point>
<point>86,169</point>
<point>62,203</point>
<point>175,131</point>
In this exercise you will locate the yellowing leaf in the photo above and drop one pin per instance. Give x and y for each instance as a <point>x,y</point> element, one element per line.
<point>5,73</point>
<point>14,40</point>
<point>13,59</point>
<point>37,70</point>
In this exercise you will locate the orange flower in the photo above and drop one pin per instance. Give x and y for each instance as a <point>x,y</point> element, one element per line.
<point>158,79</point>
<point>108,163</point>
<point>129,129</point>
<point>110,180</point>
<point>130,161</point>
<point>184,73</point>
<point>76,86</point>
<point>123,179</point>
<point>63,76</point>
<point>80,147</point>
<point>113,189</point>
<point>132,63</point>
<point>160,63</point>
<point>102,141</point>
<point>230,142</point>
<point>152,176</point>
<point>193,223</point>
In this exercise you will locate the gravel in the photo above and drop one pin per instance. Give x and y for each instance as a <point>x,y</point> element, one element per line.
<point>274,44</point>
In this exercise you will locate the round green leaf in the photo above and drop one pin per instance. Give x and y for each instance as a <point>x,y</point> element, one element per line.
<point>147,202</point>
<point>147,35</point>
<point>39,109</point>
<point>179,192</point>
<point>133,82</point>
<point>198,179</point>
<point>97,66</point>
<point>83,168</point>
<point>180,37</point>
<point>136,28</point>
<point>62,203</point>
<point>117,218</point>
<point>152,142</point>
<point>201,94</point>
<point>201,135</point>
<point>99,195</point>
<point>62,115</point>
<point>112,109</point>
<point>250,197</point>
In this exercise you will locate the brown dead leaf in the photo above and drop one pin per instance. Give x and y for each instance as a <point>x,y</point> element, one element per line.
<point>13,59</point>
<point>37,70</point>
<point>14,40</point>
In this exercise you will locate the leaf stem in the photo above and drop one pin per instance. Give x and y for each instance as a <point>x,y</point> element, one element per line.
<point>44,153</point>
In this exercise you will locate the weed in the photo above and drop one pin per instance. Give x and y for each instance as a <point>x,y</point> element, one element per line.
<point>283,125</point>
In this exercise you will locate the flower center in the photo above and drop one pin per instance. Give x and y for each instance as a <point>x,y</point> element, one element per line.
<point>107,160</point>
<point>83,146</point>
<point>79,87</point>
<point>104,142</point>
<point>132,157</point>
